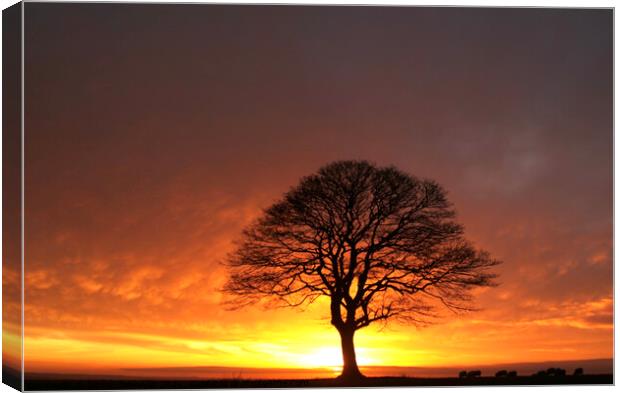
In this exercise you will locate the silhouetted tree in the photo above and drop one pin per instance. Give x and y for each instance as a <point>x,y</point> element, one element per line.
<point>379,243</point>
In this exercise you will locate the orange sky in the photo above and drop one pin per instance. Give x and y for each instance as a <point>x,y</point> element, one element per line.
<point>158,132</point>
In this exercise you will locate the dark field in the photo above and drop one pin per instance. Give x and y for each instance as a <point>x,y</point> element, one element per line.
<point>602,379</point>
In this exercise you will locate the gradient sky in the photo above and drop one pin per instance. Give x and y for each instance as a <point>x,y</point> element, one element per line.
<point>155,133</point>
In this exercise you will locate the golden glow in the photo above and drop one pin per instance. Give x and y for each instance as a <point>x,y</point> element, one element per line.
<point>11,346</point>
<point>315,344</point>
<point>322,357</point>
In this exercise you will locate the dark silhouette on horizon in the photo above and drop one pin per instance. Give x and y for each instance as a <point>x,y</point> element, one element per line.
<point>557,372</point>
<point>49,382</point>
<point>381,244</point>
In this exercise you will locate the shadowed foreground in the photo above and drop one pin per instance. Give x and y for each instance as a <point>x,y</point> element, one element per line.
<point>602,379</point>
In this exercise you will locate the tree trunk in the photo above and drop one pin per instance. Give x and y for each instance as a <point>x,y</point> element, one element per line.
<point>350,371</point>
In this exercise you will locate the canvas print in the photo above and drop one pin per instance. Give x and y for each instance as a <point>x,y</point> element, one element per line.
<point>277,196</point>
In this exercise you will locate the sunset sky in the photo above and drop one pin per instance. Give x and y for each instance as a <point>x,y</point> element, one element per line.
<point>156,133</point>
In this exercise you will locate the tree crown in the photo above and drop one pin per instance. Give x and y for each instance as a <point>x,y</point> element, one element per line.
<point>380,243</point>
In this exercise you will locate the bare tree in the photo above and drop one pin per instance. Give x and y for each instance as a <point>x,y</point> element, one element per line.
<point>379,243</point>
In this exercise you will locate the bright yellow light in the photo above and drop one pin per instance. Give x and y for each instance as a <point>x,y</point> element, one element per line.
<point>331,357</point>
<point>322,357</point>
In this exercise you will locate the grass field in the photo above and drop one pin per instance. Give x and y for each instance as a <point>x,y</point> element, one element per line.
<point>57,384</point>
